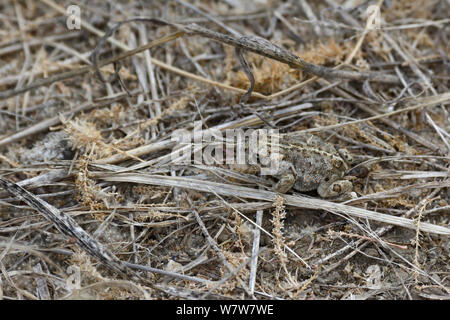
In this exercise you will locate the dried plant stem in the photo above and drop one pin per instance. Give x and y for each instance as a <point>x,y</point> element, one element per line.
<point>248,43</point>
<point>297,201</point>
<point>44,125</point>
<point>265,48</point>
<point>427,102</point>
<point>254,44</point>
<point>77,72</point>
<point>255,252</point>
<point>445,98</point>
<point>67,226</point>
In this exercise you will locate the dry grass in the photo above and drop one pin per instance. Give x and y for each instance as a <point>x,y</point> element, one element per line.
<point>95,157</point>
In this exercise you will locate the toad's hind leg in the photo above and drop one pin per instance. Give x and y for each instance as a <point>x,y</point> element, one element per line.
<point>334,189</point>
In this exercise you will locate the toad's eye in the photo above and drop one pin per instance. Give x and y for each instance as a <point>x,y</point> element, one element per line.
<point>347,156</point>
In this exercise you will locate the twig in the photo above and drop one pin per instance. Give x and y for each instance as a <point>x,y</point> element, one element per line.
<point>26,49</point>
<point>225,279</point>
<point>68,227</point>
<point>391,123</point>
<point>73,73</point>
<point>166,144</point>
<point>296,201</point>
<point>257,45</point>
<point>44,125</point>
<point>209,17</point>
<point>428,102</point>
<point>248,43</point>
<point>211,241</point>
<point>362,243</point>
<point>255,252</point>
<point>168,273</point>
<point>311,16</point>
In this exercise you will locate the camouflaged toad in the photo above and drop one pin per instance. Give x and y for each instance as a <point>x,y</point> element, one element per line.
<point>309,163</point>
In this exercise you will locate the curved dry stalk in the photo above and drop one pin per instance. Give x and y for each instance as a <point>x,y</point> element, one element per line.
<point>296,201</point>
<point>69,227</point>
<point>249,43</point>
